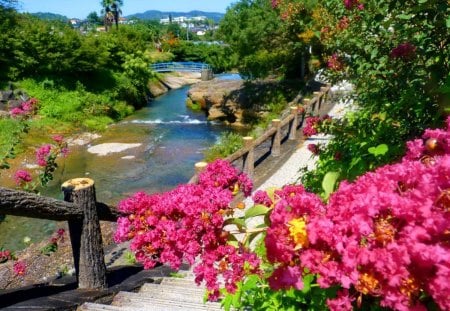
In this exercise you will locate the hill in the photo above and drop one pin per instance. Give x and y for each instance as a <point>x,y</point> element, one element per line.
<point>50,16</point>
<point>157,15</point>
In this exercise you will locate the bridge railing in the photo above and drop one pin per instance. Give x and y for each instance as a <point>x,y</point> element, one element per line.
<point>180,66</point>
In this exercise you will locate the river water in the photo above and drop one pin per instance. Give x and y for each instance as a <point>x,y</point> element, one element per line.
<point>171,137</point>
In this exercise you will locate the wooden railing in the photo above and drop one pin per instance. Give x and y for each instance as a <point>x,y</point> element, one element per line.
<point>83,213</point>
<point>255,150</point>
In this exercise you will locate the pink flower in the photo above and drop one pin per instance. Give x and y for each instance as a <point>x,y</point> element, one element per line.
<point>5,256</point>
<point>314,148</point>
<point>342,302</point>
<point>405,51</point>
<point>16,112</point>
<point>350,4</point>
<point>42,153</point>
<point>275,3</point>
<point>22,177</point>
<point>20,268</point>
<point>261,197</point>
<point>286,278</point>
<point>311,126</point>
<point>335,63</point>
<point>58,139</point>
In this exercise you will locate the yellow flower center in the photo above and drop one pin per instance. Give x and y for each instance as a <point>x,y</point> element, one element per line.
<point>367,283</point>
<point>297,231</point>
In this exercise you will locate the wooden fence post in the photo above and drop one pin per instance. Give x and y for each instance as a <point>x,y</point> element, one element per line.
<point>85,235</point>
<point>293,130</point>
<point>307,106</point>
<point>276,144</point>
<point>249,159</point>
<point>324,91</point>
<point>318,102</point>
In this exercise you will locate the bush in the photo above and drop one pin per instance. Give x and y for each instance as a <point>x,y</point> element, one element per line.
<point>226,145</point>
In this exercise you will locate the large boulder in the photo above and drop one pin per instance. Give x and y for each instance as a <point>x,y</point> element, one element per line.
<point>220,99</point>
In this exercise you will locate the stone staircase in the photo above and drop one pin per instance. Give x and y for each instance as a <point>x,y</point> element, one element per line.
<point>166,294</point>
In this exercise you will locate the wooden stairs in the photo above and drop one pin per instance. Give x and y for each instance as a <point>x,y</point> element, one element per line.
<point>166,294</point>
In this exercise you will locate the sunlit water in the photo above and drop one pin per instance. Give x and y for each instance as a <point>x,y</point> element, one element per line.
<point>172,139</point>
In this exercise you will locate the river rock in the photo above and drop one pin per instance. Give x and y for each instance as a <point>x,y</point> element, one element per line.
<point>220,99</point>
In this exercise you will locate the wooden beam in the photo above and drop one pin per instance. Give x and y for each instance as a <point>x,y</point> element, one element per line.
<point>26,204</point>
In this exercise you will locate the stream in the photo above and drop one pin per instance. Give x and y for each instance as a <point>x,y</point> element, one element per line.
<point>165,139</point>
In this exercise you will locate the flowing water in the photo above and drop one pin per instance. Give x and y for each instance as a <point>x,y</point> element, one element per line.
<point>171,139</point>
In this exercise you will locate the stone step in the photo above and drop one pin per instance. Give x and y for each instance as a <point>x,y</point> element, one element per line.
<point>152,287</point>
<point>177,293</point>
<point>187,282</point>
<point>88,306</point>
<point>139,300</point>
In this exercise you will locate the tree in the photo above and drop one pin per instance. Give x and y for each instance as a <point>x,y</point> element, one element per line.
<point>111,9</point>
<point>93,18</point>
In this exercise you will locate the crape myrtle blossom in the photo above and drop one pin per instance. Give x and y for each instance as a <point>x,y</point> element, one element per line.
<point>188,222</point>
<point>385,235</point>
<point>405,51</point>
<point>22,177</point>
<point>25,109</point>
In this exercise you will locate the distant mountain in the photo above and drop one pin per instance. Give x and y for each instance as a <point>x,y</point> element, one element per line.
<point>51,16</point>
<point>157,15</point>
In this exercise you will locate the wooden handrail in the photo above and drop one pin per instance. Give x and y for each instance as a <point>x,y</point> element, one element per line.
<point>25,204</point>
<point>311,106</point>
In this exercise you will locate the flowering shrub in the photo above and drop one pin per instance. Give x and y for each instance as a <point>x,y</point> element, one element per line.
<point>52,245</point>
<point>46,156</point>
<point>386,235</point>
<point>188,222</point>
<point>25,110</point>
<point>381,240</point>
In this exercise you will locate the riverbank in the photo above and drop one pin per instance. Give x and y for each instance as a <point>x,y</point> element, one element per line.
<point>172,81</point>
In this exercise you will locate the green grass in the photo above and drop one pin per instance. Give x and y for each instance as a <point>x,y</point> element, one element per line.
<point>63,109</point>
<point>228,143</point>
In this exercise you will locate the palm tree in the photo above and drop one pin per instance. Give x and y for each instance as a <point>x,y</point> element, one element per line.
<point>111,9</point>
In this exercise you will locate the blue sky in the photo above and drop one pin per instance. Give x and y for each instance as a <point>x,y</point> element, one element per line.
<point>81,8</point>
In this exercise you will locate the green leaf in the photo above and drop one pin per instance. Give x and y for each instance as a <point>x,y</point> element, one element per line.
<point>239,222</point>
<point>256,210</point>
<point>405,16</point>
<point>423,1</point>
<point>448,22</point>
<point>378,150</point>
<point>329,182</point>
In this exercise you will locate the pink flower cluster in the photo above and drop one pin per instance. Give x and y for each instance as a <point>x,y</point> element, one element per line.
<point>405,51</point>
<point>221,174</point>
<point>286,236</point>
<point>385,235</point>
<point>42,154</point>
<point>335,63</point>
<point>313,124</point>
<point>5,255</point>
<point>21,177</point>
<point>186,222</point>
<point>351,4</point>
<point>20,268</point>
<point>25,109</point>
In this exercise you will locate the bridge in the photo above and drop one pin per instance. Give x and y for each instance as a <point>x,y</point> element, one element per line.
<point>180,66</point>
